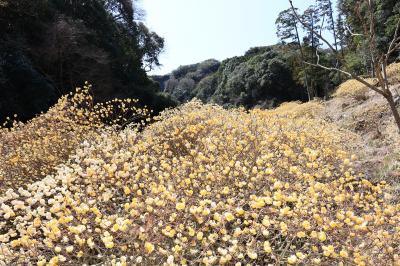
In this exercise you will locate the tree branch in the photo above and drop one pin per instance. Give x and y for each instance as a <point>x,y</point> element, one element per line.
<point>395,44</point>
<point>350,75</point>
<point>352,33</point>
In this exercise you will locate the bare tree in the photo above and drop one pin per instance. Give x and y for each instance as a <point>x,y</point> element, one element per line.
<point>379,59</point>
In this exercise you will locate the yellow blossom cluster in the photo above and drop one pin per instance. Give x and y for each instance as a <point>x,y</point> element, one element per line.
<point>354,89</point>
<point>204,186</point>
<point>393,73</point>
<point>32,150</point>
<point>311,109</point>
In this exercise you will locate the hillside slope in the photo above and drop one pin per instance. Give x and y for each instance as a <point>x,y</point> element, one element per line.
<point>50,47</point>
<point>365,113</point>
<point>201,185</point>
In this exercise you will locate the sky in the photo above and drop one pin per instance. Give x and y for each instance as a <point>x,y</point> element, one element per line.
<point>196,30</point>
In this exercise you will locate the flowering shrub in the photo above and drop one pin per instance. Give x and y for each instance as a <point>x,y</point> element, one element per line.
<point>311,109</point>
<point>208,186</point>
<point>354,89</point>
<point>30,151</point>
<point>393,73</point>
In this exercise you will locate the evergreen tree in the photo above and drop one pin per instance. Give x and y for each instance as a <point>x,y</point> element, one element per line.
<point>312,20</point>
<point>287,29</point>
<point>325,10</point>
<point>61,44</point>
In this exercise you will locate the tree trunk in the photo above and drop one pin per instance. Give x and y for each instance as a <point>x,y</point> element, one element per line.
<point>304,65</point>
<point>333,25</point>
<point>394,109</point>
<point>313,57</point>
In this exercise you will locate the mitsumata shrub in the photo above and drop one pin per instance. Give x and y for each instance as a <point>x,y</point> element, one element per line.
<point>354,89</point>
<point>28,152</point>
<point>204,186</point>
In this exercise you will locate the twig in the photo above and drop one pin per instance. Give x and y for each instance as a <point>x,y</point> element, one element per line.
<point>352,33</point>
<point>393,46</point>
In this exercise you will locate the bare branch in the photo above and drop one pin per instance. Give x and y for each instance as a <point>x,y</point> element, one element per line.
<point>352,33</point>
<point>395,44</point>
<point>350,75</point>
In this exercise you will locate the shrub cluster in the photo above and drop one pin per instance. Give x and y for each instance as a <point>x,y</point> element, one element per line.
<point>354,89</point>
<point>30,151</point>
<point>393,73</point>
<point>208,186</point>
<point>311,109</point>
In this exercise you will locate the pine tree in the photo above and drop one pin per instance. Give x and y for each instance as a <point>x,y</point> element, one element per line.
<point>325,9</point>
<point>287,29</point>
<point>312,21</point>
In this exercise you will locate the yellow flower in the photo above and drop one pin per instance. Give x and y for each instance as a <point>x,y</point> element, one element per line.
<point>109,244</point>
<point>306,225</point>
<point>267,247</point>
<point>37,222</point>
<point>283,226</point>
<point>300,255</point>
<point>239,211</point>
<point>180,206</point>
<point>225,190</point>
<point>322,236</point>
<point>127,190</point>
<point>69,249</point>
<point>292,259</point>
<point>115,228</point>
<point>252,255</point>
<point>199,235</point>
<point>316,261</point>
<point>177,248</point>
<point>301,234</point>
<point>149,247</point>
<point>41,262</point>
<point>266,222</point>
<point>229,216</point>
<point>343,254</point>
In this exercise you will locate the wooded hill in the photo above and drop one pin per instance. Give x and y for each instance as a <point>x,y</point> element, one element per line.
<point>264,76</point>
<point>48,48</point>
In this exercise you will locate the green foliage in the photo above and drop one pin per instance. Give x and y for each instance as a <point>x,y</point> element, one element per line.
<point>190,81</point>
<point>263,76</point>
<point>286,27</point>
<point>354,63</point>
<point>253,80</point>
<point>356,14</point>
<point>65,43</point>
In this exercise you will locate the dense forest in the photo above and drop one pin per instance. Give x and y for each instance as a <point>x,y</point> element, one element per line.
<point>267,76</point>
<point>48,48</point>
<point>264,77</point>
